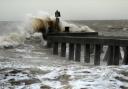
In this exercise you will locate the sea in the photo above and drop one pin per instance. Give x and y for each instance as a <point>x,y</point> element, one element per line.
<point>25,63</point>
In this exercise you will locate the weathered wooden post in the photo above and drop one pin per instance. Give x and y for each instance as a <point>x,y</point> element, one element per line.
<point>125,60</point>
<point>55,48</point>
<point>49,44</point>
<point>87,53</point>
<point>110,55</point>
<point>97,54</point>
<point>116,55</point>
<point>78,52</point>
<point>113,55</point>
<point>71,51</point>
<point>63,49</point>
<point>66,29</point>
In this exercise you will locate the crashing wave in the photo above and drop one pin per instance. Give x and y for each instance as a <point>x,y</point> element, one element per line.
<point>25,30</point>
<point>12,40</point>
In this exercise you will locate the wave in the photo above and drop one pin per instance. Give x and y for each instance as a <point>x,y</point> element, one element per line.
<point>25,30</point>
<point>16,39</point>
<point>11,40</point>
<point>15,33</point>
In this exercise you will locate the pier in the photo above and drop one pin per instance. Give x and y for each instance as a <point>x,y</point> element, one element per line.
<point>91,43</point>
<point>89,40</point>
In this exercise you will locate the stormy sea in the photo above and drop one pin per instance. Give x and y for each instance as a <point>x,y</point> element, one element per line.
<point>26,64</point>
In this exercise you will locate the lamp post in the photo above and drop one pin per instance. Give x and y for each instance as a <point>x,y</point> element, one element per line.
<point>57,15</point>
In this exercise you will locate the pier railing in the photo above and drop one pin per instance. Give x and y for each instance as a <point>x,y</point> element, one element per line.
<point>76,40</point>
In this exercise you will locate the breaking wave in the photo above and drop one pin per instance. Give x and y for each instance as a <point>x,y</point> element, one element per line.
<point>13,35</point>
<point>12,40</point>
<point>16,34</point>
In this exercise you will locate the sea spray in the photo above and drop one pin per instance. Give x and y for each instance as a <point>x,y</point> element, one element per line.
<point>25,30</point>
<point>44,16</point>
<point>11,40</point>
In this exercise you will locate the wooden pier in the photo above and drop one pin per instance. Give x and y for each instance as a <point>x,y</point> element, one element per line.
<point>76,40</point>
<point>91,41</point>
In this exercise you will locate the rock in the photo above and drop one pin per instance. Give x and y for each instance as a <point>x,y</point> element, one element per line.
<point>8,47</point>
<point>121,79</point>
<point>123,87</point>
<point>45,87</point>
<point>25,81</point>
<point>15,71</point>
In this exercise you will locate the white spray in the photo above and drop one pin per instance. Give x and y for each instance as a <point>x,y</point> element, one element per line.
<point>25,30</point>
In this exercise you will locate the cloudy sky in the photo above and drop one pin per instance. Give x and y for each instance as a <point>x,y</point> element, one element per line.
<point>70,9</point>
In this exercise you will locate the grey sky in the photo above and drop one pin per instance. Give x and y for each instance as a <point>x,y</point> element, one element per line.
<point>70,9</point>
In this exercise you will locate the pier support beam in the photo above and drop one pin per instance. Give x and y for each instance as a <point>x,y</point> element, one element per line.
<point>125,60</point>
<point>87,53</point>
<point>78,52</point>
<point>49,44</point>
<point>116,55</point>
<point>107,54</point>
<point>55,48</point>
<point>110,55</point>
<point>71,51</point>
<point>97,54</point>
<point>63,50</point>
<point>113,55</point>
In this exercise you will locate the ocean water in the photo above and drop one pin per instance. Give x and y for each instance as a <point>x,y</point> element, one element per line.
<point>26,64</point>
<point>106,27</point>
